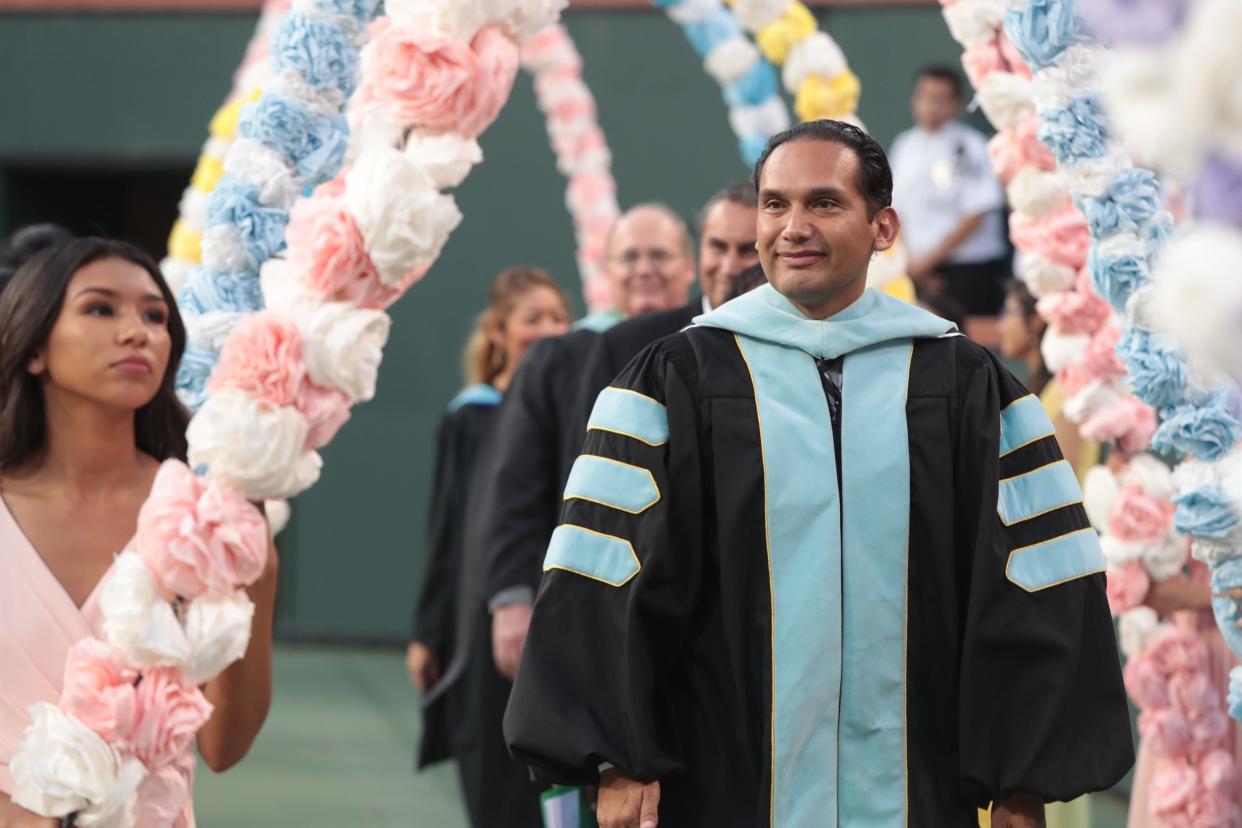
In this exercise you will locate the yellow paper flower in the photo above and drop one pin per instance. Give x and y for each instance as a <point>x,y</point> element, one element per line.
<point>184,243</point>
<point>819,97</point>
<point>207,174</point>
<point>779,36</point>
<point>224,122</point>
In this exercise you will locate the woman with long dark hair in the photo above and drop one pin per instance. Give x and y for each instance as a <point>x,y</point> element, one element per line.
<point>450,654</point>
<point>90,338</point>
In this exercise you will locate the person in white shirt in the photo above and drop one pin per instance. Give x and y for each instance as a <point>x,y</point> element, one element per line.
<point>949,201</point>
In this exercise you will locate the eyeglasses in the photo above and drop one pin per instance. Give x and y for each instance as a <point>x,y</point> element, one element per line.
<point>658,258</point>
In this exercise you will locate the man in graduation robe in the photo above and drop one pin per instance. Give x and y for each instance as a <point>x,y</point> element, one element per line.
<point>650,268</point>
<point>820,562</point>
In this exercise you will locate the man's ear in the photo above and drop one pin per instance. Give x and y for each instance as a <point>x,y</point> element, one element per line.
<point>887,226</point>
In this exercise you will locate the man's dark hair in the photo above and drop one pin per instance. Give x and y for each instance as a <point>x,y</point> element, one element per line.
<point>942,72</point>
<point>746,281</point>
<point>739,192</point>
<point>875,177</point>
<point>29,240</point>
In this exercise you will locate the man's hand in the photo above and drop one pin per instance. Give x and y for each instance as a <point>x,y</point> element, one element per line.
<point>1177,593</point>
<point>424,666</point>
<point>509,626</point>
<point>627,803</point>
<point>1019,811</point>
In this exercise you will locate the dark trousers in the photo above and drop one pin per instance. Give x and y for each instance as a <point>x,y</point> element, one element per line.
<point>979,287</point>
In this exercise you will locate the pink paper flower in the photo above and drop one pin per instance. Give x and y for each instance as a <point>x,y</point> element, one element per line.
<point>1173,789</point>
<point>1178,649</point>
<point>1073,312</point>
<point>1218,771</point>
<point>980,61</point>
<point>263,358</point>
<point>1137,516</point>
<point>1012,57</point>
<point>1011,150</point>
<point>1165,731</point>
<point>98,691</point>
<point>440,84</point>
<point>598,294</point>
<point>195,535</point>
<point>162,795</point>
<point>169,715</point>
<point>328,255</point>
<point>1207,733</point>
<point>1193,695</point>
<point>1127,587</point>
<point>1212,809</point>
<point>325,410</point>
<point>1061,236</point>
<point>1129,422</point>
<point>1146,684</point>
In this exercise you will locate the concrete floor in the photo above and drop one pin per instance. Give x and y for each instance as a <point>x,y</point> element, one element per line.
<point>338,747</point>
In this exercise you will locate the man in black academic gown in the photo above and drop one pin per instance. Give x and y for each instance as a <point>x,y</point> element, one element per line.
<point>821,563</point>
<point>726,230</point>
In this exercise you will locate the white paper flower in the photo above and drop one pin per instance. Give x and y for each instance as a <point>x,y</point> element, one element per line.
<point>1043,276</point>
<point>343,347</point>
<point>689,12</point>
<point>1121,245</point>
<point>461,19</point>
<point>1139,312</point>
<point>256,163</point>
<point>1060,349</point>
<point>974,22</point>
<point>1166,558</point>
<point>1136,628</point>
<point>377,126</point>
<point>529,17</point>
<point>404,220</point>
<point>817,54</point>
<point>1037,192</point>
<point>1151,475</point>
<point>193,208</point>
<point>1214,552</point>
<point>1099,492</point>
<point>755,14</point>
<point>768,118</point>
<point>175,271</point>
<point>283,293</point>
<point>262,448</point>
<point>139,621</point>
<point>1196,300</point>
<point>1093,176</point>
<point>598,160</point>
<point>1093,398</point>
<point>218,628</point>
<point>1164,123</point>
<point>277,513</point>
<point>209,330</point>
<point>1005,98</point>
<point>293,86</point>
<point>731,59</point>
<point>1193,474</point>
<point>64,767</point>
<point>1074,75</point>
<point>447,159</point>
<point>224,250</point>
<point>216,148</point>
<point>1117,552</point>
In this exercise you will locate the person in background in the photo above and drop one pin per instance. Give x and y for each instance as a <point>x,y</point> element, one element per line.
<point>949,200</point>
<point>25,243</point>
<point>1021,331</point>
<point>650,268</point>
<point>746,281</point>
<point>462,712</point>
<point>92,339</point>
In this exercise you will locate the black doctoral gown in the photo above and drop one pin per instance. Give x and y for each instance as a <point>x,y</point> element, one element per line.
<point>462,714</point>
<point>777,649</point>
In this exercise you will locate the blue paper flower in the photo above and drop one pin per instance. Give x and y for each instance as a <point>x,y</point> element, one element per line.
<point>1207,431</point>
<point>1204,512</point>
<point>707,34</point>
<point>262,229</point>
<point>1075,132</point>
<point>316,49</point>
<point>1227,615</point>
<point>1156,373</point>
<point>192,376</point>
<point>1235,693</point>
<point>1116,278</point>
<point>751,147</point>
<point>1043,30</point>
<point>206,291</point>
<point>361,10</point>
<point>314,144</point>
<point>753,88</point>
<point>1132,201</point>
<point>1227,575</point>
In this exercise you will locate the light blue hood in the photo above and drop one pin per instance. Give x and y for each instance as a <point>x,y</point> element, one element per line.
<point>766,315</point>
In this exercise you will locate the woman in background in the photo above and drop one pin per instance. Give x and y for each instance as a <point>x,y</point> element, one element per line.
<point>88,411</point>
<point>449,657</point>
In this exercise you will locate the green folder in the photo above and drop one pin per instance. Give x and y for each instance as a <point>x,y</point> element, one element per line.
<point>567,808</point>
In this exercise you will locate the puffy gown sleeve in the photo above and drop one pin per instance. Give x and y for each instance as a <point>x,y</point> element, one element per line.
<point>621,577</point>
<point>1042,705</point>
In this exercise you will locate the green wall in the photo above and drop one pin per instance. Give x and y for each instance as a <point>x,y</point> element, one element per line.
<point>85,97</point>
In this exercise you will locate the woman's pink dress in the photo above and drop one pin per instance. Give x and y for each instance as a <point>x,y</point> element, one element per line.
<point>39,622</point>
<point>1220,660</point>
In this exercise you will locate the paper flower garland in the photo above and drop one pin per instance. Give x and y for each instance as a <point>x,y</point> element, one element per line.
<point>581,149</point>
